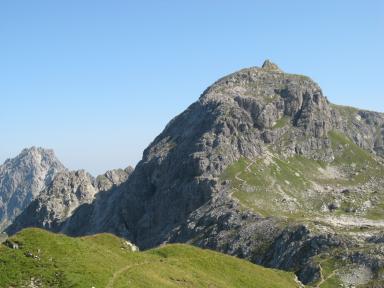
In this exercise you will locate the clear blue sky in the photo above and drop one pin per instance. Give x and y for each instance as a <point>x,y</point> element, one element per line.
<point>98,80</point>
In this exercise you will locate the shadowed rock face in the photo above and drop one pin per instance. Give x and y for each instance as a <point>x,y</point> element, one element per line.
<point>22,178</point>
<point>177,193</point>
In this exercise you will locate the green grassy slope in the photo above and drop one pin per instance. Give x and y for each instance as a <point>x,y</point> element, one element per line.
<point>45,259</point>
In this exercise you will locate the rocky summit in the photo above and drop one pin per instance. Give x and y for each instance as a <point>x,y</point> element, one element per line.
<point>22,178</point>
<point>262,167</point>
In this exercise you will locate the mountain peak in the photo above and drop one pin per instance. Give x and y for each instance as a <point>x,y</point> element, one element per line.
<point>37,150</point>
<point>22,178</point>
<point>270,66</point>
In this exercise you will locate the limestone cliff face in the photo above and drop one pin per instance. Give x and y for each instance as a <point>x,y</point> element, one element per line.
<point>22,178</point>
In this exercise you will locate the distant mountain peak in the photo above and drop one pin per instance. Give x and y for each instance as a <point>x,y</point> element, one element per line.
<point>23,177</point>
<point>36,149</point>
<point>34,153</point>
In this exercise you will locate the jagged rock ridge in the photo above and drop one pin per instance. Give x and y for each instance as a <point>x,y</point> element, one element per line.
<point>69,190</point>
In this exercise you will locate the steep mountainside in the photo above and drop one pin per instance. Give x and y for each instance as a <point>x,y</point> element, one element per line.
<point>263,167</point>
<point>36,258</point>
<point>22,178</point>
<point>58,202</point>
